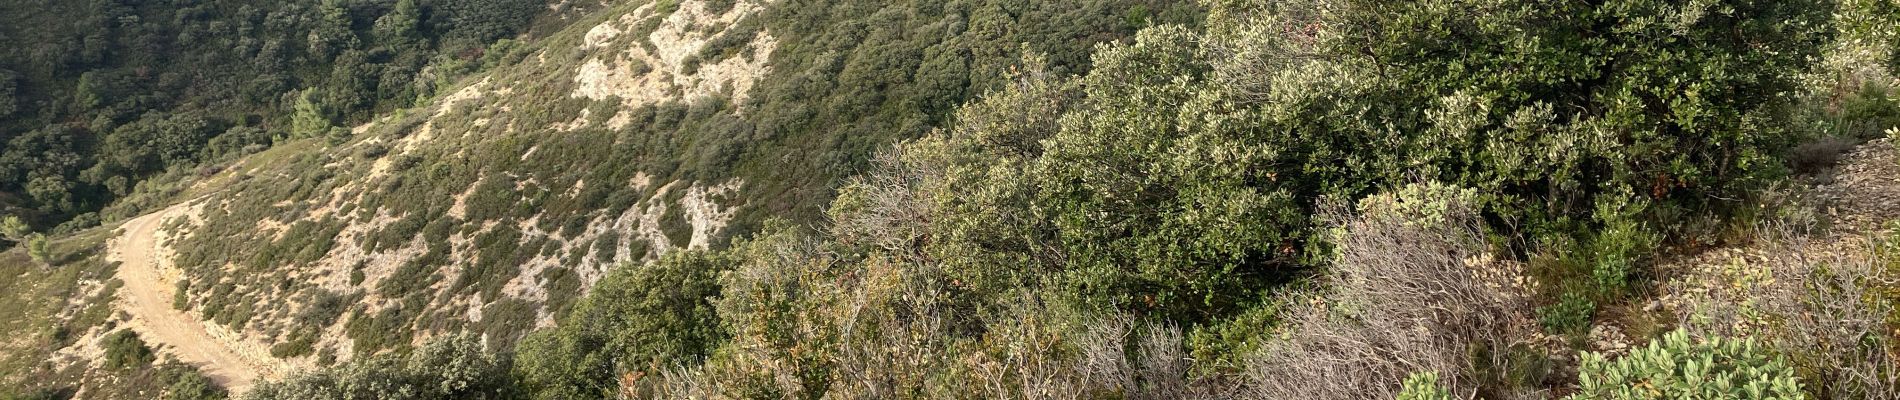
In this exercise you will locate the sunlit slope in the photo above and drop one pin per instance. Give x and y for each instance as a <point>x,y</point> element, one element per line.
<point>647,127</point>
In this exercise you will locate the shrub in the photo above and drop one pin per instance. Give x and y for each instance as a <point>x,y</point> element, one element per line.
<point>639,319</point>
<point>12,228</point>
<point>1423,386</point>
<point>188,384</point>
<point>38,249</point>
<point>181,295</point>
<point>124,350</point>
<point>1413,288</point>
<point>1678,367</point>
<point>1569,315</point>
<point>449,368</point>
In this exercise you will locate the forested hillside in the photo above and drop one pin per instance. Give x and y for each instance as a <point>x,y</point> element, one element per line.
<point>1300,200</point>
<point>1101,199</point>
<point>97,97</point>
<point>638,129</point>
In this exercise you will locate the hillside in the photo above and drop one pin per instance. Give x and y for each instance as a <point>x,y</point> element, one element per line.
<point>1113,199</point>
<point>107,106</point>
<point>641,129</point>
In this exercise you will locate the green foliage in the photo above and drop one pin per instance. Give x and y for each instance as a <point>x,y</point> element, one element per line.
<point>483,21</point>
<point>1870,111</point>
<point>1619,245</point>
<point>14,229</point>
<point>40,394</point>
<point>639,318</point>
<point>1189,208</point>
<point>449,368</point>
<point>309,119</point>
<point>1678,367</point>
<point>9,92</point>
<point>116,92</point>
<point>37,248</point>
<point>189,384</point>
<point>1423,386</point>
<point>181,295</point>
<point>1185,176</point>
<point>1569,315</point>
<point>123,350</point>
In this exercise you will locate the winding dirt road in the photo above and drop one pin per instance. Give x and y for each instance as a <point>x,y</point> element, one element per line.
<point>147,296</point>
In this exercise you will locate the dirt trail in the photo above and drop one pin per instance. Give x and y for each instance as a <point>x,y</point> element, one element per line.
<point>147,296</point>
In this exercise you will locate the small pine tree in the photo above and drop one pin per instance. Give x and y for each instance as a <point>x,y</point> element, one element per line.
<point>309,118</point>
<point>36,247</point>
<point>14,229</point>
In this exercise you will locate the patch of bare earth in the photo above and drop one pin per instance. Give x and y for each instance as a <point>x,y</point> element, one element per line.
<point>650,75</point>
<point>144,256</point>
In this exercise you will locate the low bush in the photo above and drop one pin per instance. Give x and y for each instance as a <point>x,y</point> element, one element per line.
<point>1423,386</point>
<point>1569,315</point>
<point>124,350</point>
<point>637,321</point>
<point>1678,367</point>
<point>189,384</point>
<point>454,367</point>
<point>1414,287</point>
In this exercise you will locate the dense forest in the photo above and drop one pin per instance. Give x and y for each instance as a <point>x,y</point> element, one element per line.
<point>1114,199</point>
<point>97,97</point>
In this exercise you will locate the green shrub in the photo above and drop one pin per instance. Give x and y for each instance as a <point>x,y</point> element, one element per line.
<point>181,295</point>
<point>1619,245</point>
<point>455,367</point>
<point>639,318</point>
<point>124,350</point>
<point>1570,120</point>
<point>1423,386</point>
<point>298,345</point>
<point>1569,315</point>
<point>189,384</point>
<point>38,248</point>
<point>1678,367</point>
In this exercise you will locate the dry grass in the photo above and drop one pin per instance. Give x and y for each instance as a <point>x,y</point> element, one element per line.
<point>1818,302</point>
<point>1409,294</point>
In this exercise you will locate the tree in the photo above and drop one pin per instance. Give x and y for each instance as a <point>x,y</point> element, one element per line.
<point>36,247</point>
<point>309,117</point>
<point>483,21</point>
<point>400,28</point>
<point>332,34</point>
<point>12,228</point>
<point>9,88</point>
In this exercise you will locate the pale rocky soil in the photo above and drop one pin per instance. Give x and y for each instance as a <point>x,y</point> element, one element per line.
<point>641,76</point>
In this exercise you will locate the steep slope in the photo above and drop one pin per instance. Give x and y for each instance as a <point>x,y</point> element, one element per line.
<point>644,128</point>
<point>147,297</point>
<point>99,97</point>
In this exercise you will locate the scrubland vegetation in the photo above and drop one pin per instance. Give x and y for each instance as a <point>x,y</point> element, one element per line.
<point>476,190</point>
<point>1321,199</point>
<point>1312,200</point>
